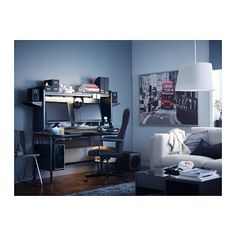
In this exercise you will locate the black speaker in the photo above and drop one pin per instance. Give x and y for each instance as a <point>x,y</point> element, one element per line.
<point>57,156</point>
<point>114,97</point>
<point>34,94</point>
<point>130,161</point>
<point>103,84</point>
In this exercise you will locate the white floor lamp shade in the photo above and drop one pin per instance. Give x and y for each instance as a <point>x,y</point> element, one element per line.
<point>196,76</point>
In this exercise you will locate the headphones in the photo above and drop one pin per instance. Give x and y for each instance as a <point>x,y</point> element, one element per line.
<point>77,104</point>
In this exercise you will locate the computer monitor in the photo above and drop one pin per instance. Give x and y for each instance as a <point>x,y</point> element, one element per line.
<point>56,112</point>
<point>88,112</point>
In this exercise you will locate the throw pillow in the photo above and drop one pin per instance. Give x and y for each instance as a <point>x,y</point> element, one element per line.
<point>194,139</point>
<point>206,149</point>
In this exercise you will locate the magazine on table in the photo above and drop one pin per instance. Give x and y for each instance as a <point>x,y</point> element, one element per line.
<point>198,179</point>
<point>197,173</point>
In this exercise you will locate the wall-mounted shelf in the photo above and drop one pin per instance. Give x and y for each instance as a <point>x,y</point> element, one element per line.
<point>57,94</point>
<point>91,95</point>
<point>38,104</point>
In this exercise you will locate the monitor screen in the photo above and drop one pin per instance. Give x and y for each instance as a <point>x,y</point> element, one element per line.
<point>56,112</point>
<point>88,112</point>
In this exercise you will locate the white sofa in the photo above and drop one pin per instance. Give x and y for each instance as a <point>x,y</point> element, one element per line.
<point>161,157</point>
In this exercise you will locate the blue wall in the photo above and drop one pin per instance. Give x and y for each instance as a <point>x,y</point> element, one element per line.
<point>72,62</point>
<point>159,56</point>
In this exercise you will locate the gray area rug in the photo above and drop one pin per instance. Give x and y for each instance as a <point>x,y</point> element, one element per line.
<point>125,189</point>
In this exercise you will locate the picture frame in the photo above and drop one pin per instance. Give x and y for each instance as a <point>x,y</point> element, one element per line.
<point>161,105</point>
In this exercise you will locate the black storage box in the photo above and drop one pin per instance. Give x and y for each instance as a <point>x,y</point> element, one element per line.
<point>52,82</point>
<point>129,161</point>
<point>51,85</point>
<point>48,88</point>
<point>55,89</point>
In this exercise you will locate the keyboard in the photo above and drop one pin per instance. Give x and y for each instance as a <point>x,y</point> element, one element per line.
<point>79,131</point>
<point>88,127</point>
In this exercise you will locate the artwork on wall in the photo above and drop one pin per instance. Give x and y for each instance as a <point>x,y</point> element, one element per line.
<point>159,104</point>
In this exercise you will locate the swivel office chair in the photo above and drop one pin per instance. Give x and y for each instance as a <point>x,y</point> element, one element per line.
<point>105,153</point>
<point>19,152</point>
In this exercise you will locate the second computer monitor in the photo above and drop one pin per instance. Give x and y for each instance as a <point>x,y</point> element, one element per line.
<point>88,112</point>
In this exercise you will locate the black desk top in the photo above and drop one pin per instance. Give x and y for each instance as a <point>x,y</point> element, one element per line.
<point>79,134</point>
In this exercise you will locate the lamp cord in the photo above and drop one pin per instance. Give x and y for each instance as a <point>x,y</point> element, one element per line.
<point>195,51</point>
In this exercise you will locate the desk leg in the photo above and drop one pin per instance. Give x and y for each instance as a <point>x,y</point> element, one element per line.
<point>51,177</point>
<point>51,160</point>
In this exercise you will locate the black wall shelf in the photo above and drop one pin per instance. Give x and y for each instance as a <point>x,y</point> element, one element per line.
<point>57,94</point>
<point>73,95</point>
<point>32,104</point>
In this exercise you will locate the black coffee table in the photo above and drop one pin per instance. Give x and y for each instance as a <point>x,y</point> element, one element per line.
<point>155,182</point>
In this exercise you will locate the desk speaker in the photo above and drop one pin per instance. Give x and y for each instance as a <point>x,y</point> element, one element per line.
<point>34,95</point>
<point>103,84</point>
<point>114,97</point>
<point>130,161</point>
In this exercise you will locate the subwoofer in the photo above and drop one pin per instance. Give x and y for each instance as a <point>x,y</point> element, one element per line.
<point>130,161</point>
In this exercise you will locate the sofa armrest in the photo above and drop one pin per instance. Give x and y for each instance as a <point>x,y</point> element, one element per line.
<point>159,148</point>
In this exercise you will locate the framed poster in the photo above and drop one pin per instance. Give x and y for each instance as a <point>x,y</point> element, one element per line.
<point>159,104</point>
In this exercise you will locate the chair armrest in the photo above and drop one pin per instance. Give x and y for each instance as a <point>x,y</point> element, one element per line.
<point>109,138</point>
<point>159,148</point>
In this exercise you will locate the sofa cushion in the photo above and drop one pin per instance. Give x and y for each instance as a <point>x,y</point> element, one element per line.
<point>206,149</point>
<point>194,139</point>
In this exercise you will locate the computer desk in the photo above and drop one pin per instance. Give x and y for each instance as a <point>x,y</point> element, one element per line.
<point>75,140</point>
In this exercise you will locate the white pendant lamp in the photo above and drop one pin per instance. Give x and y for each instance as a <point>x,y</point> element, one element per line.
<point>195,77</point>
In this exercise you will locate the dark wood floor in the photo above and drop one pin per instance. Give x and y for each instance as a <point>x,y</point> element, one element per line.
<point>66,184</point>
